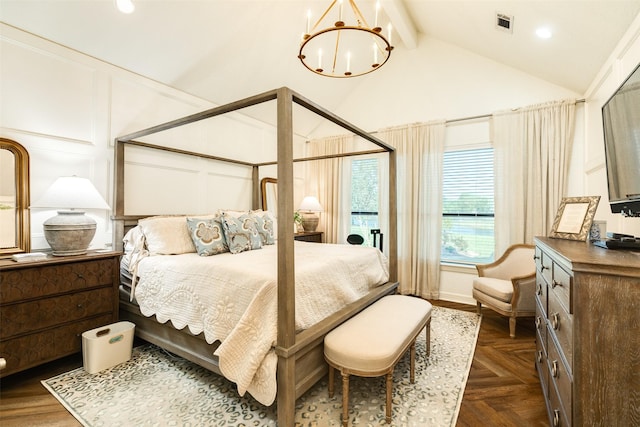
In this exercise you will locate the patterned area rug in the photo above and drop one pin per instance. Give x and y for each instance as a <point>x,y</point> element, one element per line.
<point>156,388</point>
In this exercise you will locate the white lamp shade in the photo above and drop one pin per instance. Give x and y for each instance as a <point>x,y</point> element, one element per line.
<point>310,204</point>
<point>71,192</point>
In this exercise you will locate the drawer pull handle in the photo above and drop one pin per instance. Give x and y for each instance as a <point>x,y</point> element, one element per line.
<point>538,322</point>
<point>555,321</point>
<point>556,418</point>
<point>554,369</point>
<point>555,283</point>
<point>542,268</point>
<point>79,305</point>
<point>540,356</point>
<point>538,288</point>
<point>536,257</point>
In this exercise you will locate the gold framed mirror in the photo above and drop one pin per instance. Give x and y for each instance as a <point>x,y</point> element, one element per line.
<point>15,236</point>
<point>269,190</point>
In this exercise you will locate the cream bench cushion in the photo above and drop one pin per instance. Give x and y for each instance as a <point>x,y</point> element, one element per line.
<point>371,343</point>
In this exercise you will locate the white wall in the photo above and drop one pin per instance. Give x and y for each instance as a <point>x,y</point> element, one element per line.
<point>623,60</point>
<point>67,108</point>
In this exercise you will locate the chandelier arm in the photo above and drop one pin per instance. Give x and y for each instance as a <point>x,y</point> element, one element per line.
<point>335,53</point>
<point>357,13</point>
<point>326,12</point>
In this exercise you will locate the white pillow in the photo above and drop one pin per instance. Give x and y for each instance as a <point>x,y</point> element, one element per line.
<point>167,235</point>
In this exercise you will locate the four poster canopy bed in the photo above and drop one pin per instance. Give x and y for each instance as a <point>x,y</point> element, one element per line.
<point>265,314</point>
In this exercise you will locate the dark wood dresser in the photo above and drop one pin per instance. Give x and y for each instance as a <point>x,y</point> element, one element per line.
<point>309,236</point>
<point>588,333</point>
<point>45,306</point>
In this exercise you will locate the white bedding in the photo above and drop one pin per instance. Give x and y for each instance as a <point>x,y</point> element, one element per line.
<point>233,298</point>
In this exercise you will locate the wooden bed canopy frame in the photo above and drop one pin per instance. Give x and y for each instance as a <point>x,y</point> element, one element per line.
<point>300,355</point>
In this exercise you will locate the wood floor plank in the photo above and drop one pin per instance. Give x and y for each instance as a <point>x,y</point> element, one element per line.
<point>502,390</point>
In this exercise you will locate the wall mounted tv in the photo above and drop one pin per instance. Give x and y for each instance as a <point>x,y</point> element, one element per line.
<point>621,122</point>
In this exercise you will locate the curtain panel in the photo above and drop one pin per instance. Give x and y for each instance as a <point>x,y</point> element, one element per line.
<point>324,180</point>
<point>419,154</point>
<point>532,147</point>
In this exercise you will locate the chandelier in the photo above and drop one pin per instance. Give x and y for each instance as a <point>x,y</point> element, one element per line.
<point>333,48</point>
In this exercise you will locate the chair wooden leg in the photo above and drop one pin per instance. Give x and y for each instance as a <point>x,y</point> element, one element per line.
<point>479,308</point>
<point>345,400</point>
<point>389,389</point>
<point>331,377</point>
<point>512,327</point>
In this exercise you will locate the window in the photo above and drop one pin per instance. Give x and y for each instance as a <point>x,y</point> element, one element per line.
<point>364,198</point>
<point>468,206</point>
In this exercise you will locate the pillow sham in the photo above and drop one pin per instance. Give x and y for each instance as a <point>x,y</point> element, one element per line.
<point>167,235</point>
<point>207,235</point>
<point>241,233</point>
<point>266,225</point>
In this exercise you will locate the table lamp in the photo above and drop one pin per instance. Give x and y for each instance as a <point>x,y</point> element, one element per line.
<point>71,231</point>
<point>309,206</point>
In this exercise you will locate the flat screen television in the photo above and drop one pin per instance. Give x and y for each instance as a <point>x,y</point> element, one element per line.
<point>621,123</point>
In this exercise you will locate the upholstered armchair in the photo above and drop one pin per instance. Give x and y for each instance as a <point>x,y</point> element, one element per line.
<point>507,285</point>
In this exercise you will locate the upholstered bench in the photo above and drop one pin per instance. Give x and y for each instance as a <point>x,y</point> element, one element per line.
<point>372,342</point>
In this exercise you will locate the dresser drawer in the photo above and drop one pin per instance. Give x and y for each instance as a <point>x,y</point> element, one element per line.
<point>541,326</point>
<point>28,283</point>
<point>541,293</point>
<point>18,319</point>
<point>542,366</point>
<point>31,350</point>
<point>559,417</point>
<point>561,286</point>
<point>560,378</point>
<point>545,267</point>
<point>561,326</point>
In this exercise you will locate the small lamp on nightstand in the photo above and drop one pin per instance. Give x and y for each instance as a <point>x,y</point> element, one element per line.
<point>71,231</point>
<point>309,206</point>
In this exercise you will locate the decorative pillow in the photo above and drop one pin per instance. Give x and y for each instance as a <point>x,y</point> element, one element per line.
<point>241,233</point>
<point>265,224</point>
<point>167,235</point>
<point>207,235</point>
<point>134,238</point>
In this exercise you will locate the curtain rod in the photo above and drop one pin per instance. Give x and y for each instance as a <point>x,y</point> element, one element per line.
<point>485,116</point>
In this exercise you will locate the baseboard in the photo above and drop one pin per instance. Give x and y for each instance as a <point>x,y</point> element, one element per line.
<point>459,298</point>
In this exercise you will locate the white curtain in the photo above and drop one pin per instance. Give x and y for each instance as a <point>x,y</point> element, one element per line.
<point>532,147</point>
<point>324,178</point>
<point>419,153</point>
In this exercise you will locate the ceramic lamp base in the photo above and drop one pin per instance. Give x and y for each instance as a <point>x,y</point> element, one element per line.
<point>69,232</point>
<point>310,222</point>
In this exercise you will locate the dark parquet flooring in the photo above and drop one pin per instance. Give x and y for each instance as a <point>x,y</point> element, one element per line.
<point>503,388</point>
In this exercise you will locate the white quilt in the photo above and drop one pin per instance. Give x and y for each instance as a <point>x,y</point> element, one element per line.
<point>233,298</point>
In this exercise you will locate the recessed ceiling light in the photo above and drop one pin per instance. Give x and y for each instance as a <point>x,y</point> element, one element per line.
<point>544,33</point>
<point>125,6</point>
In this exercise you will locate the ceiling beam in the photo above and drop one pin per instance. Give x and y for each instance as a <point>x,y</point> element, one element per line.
<point>402,23</point>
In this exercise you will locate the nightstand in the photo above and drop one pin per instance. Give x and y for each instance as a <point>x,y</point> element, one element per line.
<point>309,236</point>
<point>45,306</point>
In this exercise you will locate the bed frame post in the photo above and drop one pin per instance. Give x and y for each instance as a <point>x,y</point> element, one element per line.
<point>255,193</point>
<point>286,275</point>
<point>393,218</point>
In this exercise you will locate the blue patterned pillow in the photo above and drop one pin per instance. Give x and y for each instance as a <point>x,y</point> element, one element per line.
<point>241,233</point>
<point>207,235</point>
<point>265,226</point>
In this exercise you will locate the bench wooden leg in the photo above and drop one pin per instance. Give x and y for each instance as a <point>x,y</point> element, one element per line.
<point>428,329</point>
<point>412,369</point>
<point>345,399</point>
<point>331,377</point>
<point>389,389</point>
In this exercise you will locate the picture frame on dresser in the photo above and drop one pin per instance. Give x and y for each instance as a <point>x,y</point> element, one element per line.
<point>574,218</point>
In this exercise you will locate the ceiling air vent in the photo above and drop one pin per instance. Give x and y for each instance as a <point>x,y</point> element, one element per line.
<point>504,22</point>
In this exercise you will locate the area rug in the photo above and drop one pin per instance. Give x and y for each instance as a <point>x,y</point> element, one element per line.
<point>156,388</point>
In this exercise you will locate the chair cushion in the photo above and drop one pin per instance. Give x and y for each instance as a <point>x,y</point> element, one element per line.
<point>372,340</point>
<point>499,289</point>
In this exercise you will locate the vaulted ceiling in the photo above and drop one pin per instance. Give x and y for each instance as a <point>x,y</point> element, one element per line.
<point>222,50</point>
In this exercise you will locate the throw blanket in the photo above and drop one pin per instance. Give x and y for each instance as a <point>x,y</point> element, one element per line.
<point>233,298</point>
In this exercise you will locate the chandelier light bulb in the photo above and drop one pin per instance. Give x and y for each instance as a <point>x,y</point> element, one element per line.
<point>125,6</point>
